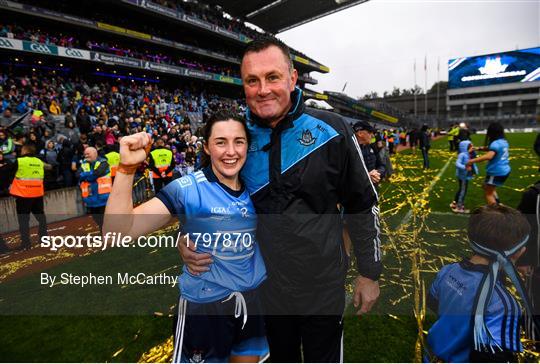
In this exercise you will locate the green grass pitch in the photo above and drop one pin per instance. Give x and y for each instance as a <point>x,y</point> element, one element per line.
<point>119,324</point>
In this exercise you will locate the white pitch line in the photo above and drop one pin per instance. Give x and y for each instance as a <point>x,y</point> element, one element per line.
<point>426,192</point>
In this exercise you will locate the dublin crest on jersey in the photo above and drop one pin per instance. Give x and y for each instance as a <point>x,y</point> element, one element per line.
<point>307,138</point>
<point>197,357</point>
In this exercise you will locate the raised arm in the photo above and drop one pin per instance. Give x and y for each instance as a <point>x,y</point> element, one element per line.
<point>120,216</point>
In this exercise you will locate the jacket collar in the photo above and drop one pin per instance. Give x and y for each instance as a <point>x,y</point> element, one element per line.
<point>296,110</point>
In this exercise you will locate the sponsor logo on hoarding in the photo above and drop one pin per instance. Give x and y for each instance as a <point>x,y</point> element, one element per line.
<point>199,74</point>
<point>39,48</point>
<point>199,23</point>
<point>101,57</point>
<point>226,79</point>
<point>6,43</point>
<point>227,33</point>
<point>161,40</point>
<point>162,68</point>
<point>75,53</point>
<point>11,4</point>
<point>160,9</point>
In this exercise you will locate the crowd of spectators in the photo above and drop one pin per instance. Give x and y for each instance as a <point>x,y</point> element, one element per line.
<point>212,14</point>
<point>38,35</point>
<point>35,34</point>
<point>69,114</point>
<point>161,58</point>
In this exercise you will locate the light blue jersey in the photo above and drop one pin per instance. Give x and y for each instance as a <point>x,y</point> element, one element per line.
<point>499,165</point>
<point>220,222</point>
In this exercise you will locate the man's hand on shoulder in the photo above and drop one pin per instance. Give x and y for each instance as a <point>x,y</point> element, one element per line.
<point>366,293</point>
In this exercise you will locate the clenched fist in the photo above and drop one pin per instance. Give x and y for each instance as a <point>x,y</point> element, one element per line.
<point>134,148</point>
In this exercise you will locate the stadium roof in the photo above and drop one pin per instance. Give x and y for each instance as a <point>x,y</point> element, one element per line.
<point>277,16</point>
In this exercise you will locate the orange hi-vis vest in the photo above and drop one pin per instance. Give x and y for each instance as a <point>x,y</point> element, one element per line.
<point>104,182</point>
<point>113,158</point>
<point>162,159</point>
<point>28,181</point>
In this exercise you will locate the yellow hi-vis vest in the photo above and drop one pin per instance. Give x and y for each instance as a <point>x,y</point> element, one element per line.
<point>104,182</point>
<point>162,159</point>
<point>113,158</point>
<point>28,181</point>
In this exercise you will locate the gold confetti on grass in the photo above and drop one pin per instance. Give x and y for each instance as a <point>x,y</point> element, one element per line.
<point>161,353</point>
<point>121,350</point>
<point>414,259</point>
<point>10,268</point>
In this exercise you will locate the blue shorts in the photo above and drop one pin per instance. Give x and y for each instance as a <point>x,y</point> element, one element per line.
<point>211,333</point>
<point>497,181</point>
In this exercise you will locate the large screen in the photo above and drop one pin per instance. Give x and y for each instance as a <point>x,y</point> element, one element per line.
<point>492,69</point>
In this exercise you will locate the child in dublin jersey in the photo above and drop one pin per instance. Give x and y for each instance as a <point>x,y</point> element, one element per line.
<point>479,320</point>
<point>219,314</point>
<point>498,168</point>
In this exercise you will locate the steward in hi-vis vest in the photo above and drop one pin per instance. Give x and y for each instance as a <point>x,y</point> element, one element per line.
<point>96,184</point>
<point>28,181</point>
<point>161,164</point>
<point>28,190</point>
<point>113,158</point>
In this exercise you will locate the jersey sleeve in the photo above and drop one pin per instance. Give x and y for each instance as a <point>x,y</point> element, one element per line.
<point>174,195</point>
<point>495,147</point>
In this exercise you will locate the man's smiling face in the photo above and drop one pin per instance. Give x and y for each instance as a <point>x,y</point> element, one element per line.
<point>268,83</point>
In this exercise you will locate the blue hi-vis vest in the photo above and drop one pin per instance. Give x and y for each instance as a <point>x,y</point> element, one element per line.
<point>219,224</point>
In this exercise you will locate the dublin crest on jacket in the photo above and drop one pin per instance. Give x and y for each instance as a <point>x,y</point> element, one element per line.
<point>307,138</point>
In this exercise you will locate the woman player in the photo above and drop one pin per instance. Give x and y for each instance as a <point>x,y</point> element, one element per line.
<point>498,168</point>
<point>217,218</point>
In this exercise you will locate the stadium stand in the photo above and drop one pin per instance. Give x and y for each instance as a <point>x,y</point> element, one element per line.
<point>86,76</point>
